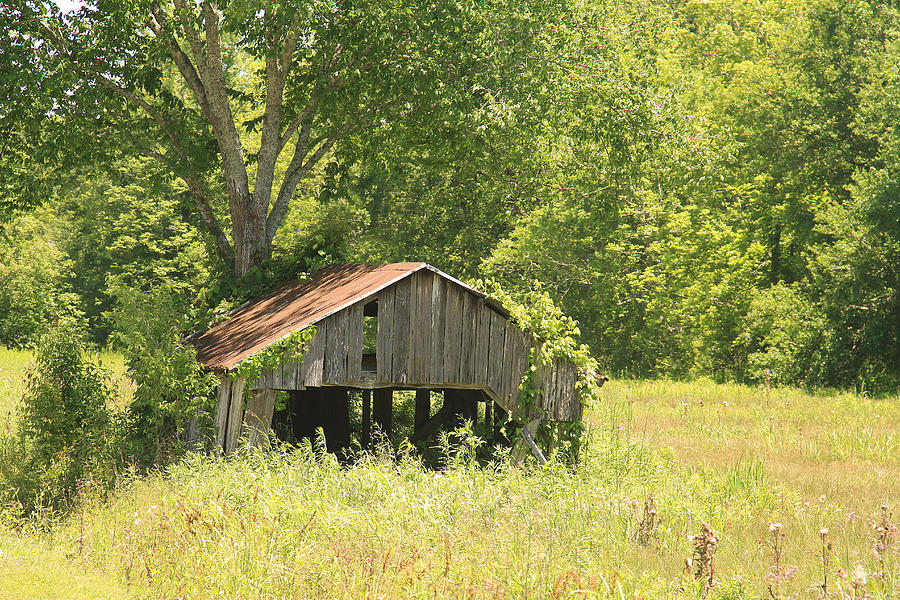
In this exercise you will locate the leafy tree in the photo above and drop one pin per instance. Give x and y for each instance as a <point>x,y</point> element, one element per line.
<point>33,272</point>
<point>131,226</point>
<point>173,397</point>
<point>242,100</point>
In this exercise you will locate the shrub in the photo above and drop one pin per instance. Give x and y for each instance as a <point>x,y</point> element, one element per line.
<point>782,334</point>
<point>172,391</point>
<point>64,434</point>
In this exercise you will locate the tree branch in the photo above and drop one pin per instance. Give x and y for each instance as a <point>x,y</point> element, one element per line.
<point>196,189</point>
<point>158,25</point>
<point>271,145</point>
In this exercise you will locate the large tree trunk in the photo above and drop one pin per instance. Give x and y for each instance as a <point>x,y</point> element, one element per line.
<point>249,230</point>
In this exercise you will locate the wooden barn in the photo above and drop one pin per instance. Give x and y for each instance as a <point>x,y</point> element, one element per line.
<point>404,326</point>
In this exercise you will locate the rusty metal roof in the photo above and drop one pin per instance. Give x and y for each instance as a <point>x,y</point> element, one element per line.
<point>297,304</point>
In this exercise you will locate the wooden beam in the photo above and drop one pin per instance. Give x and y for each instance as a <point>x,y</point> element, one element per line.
<point>440,418</point>
<point>235,415</point>
<point>258,417</point>
<point>223,401</point>
<point>381,410</point>
<point>423,408</point>
<point>366,433</point>
<point>527,442</point>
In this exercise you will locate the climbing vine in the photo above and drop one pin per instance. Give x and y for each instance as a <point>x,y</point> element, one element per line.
<point>286,350</point>
<point>535,313</point>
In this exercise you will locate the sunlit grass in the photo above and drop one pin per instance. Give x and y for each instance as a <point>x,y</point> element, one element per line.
<point>13,364</point>
<point>843,446</point>
<point>296,524</point>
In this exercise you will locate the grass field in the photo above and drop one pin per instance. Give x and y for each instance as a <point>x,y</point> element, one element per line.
<point>295,524</point>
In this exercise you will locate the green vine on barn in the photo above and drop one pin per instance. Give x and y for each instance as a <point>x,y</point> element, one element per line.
<point>286,350</point>
<point>535,313</point>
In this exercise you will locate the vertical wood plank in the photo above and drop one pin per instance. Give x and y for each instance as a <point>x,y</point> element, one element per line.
<point>315,360</point>
<point>420,328</point>
<point>573,405</point>
<point>385,340</point>
<point>552,388</point>
<point>400,352</point>
<point>223,401</point>
<point>258,417</point>
<point>336,349</point>
<point>468,337</point>
<point>497,357</point>
<point>523,345</point>
<point>482,343</point>
<point>284,375</point>
<point>452,333</point>
<point>354,341</point>
<point>235,415</point>
<point>289,375</point>
<point>562,384</point>
<point>426,283</point>
<point>438,307</point>
<point>412,327</point>
<point>512,354</point>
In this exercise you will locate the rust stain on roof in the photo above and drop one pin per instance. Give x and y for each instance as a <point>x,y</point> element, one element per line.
<point>292,306</point>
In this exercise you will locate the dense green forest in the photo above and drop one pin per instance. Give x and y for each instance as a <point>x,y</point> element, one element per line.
<point>711,188</point>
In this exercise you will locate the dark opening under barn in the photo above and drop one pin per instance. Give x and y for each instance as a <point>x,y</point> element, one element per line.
<point>378,329</point>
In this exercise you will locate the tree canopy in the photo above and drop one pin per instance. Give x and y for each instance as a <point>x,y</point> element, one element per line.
<point>710,188</point>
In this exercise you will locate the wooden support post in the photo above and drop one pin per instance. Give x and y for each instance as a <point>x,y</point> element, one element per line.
<point>334,407</point>
<point>527,442</point>
<point>365,436</point>
<point>235,416</point>
<point>258,417</point>
<point>469,407</point>
<point>223,403</point>
<point>445,415</point>
<point>454,403</point>
<point>488,420</point>
<point>303,415</point>
<point>423,408</point>
<point>381,410</point>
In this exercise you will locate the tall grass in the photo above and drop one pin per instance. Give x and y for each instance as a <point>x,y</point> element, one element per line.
<point>293,523</point>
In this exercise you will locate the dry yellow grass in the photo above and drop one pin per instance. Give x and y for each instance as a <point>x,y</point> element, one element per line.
<point>840,446</point>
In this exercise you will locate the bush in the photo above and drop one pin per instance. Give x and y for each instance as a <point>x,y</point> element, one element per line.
<point>782,334</point>
<point>172,391</point>
<point>64,435</point>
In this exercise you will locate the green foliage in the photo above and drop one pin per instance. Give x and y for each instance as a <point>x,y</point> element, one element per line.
<point>173,393</point>
<point>557,336</point>
<point>66,433</point>
<point>130,225</point>
<point>667,173</point>
<point>782,336</point>
<point>33,280</point>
